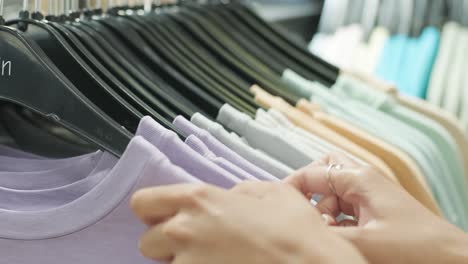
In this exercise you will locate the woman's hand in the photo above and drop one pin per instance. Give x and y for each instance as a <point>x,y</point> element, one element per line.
<point>391,226</point>
<point>253,223</point>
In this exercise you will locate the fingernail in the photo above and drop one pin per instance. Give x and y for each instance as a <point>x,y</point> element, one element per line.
<point>326,218</point>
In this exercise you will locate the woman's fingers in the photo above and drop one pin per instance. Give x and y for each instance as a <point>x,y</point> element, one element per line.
<point>315,177</point>
<point>155,245</point>
<point>348,223</point>
<point>155,205</point>
<point>346,180</point>
<point>329,205</point>
<point>254,189</point>
<point>334,206</point>
<point>329,220</point>
<point>311,179</point>
<point>341,159</point>
<point>350,233</point>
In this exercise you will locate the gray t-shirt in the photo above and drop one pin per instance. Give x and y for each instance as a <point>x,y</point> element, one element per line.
<point>234,142</point>
<point>263,138</point>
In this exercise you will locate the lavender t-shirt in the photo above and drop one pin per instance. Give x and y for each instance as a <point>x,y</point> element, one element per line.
<point>198,145</point>
<point>182,155</point>
<point>64,174</point>
<point>97,227</point>
<point>27,198</point>
<point>221,150</point>
<point>16,153</point>
<point>61,172</point>
<point>28,164</point>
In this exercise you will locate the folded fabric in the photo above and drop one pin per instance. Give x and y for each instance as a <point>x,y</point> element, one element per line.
<point>222,150</point>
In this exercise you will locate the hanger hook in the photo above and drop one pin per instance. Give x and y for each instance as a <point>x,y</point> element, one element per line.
<point>76,11</point>
<point>110,4</point>
<point>65,7</point>
<point>68,8</point>
<point>57,8</point>
<point>50,13</point>
<point>37,6</point>
<point>25,5</point>
<point>148,6</point>
<point>74,7</point>
<point>37,14</point>
<point>50,8</point>
<point>2,20</point>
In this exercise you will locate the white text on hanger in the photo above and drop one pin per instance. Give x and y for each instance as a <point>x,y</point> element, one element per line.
<point>5,67</point>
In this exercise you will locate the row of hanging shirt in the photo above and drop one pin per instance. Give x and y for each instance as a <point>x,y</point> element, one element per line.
<point>187,94</point>
<point>417,45</point>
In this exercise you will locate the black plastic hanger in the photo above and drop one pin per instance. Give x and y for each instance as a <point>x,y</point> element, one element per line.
<point>201,55</point>
<point>104,55</point>
<point>224,40</point>
<point>135,47</point>
<point>79,46</point>
<point>188,46</point>
<point>80,74</point>
<point>283,43</point>
<point>230,52</point>
<point>239,37</point>
<point>42,88</point>
<point>128,92</point>
<point>135,67</point>
<point>106,98</point>
<point>231,82</point>
<point>184,64</point>
<point>137,95</point>
<point>252,42</point>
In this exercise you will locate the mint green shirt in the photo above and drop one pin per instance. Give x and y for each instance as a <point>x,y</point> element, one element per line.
<point>439,136</point>
<point>397,132</point>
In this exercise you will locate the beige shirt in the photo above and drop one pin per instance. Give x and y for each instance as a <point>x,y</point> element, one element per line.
<point>406,170</point>
<point>444,118</point>
<point>306,122</point>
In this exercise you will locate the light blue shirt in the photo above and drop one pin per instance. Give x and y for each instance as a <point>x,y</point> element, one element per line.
<point>408,62</point>
<point>418,62</point>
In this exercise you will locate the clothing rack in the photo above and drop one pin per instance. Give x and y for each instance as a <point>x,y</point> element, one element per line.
<point>102,99</point>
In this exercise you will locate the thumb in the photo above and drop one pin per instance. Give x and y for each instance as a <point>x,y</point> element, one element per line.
<point>352,185</point>
<point>351,234</point>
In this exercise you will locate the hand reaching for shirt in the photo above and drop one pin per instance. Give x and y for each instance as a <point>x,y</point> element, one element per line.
<point>254,223</point>
<point>391,226</point>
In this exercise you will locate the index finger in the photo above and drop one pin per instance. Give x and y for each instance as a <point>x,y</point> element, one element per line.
<point>255,189</point>
<point>154,205</point>
<point>313,178</point>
